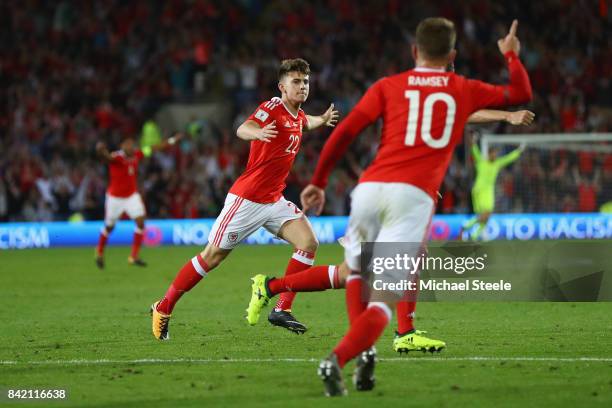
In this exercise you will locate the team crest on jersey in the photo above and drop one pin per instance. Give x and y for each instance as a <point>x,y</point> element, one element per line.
<point>232,236</point>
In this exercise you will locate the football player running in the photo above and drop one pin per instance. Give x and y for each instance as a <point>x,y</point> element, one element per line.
<point>256,200</point>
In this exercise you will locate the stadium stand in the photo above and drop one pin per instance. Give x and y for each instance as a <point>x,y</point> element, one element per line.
<point>108,66</point>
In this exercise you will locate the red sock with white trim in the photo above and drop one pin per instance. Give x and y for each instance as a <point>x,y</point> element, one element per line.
<point>363,332</point>
<point>405,311</point>
<point>189,275</point>
<point>299,261</point>
<point>102,241</point>
<point>355,305</point>
<point>313,279</point>
<point>405,316</point>
<point>137,242</point>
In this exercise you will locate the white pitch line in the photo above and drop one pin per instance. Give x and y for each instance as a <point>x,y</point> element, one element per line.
<point>304,360</point>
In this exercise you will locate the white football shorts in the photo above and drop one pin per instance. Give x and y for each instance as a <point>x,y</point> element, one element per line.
<point>133,206</point>
<point>385,212</point>
<point>240,217</point>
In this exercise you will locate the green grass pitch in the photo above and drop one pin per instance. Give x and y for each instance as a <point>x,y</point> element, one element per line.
<point>66,324</point>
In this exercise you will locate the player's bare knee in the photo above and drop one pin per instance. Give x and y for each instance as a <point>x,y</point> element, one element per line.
<point>109,228</point>
<point>299,233</point>
<point>343,273</point>
<point>214,255</point>
<point>310,244</point>
<point>140,223</point>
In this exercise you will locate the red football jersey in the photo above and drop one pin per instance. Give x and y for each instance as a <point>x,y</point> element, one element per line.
<point>424,112</point>
<point>263,180</point>
<point>123,173</point>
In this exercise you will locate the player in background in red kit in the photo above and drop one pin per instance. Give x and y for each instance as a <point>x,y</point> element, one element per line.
<point>122,195</point>
<point>424,111</point>
<point>255,200</point>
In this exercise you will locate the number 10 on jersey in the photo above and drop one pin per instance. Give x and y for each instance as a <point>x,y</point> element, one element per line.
<point>427,118</point>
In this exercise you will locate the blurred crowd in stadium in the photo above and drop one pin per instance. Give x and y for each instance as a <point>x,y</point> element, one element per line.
<point>73,73</point>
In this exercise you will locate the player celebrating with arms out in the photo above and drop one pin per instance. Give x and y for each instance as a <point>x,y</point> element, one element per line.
<point>255,200</point>
<point>122,194</point>
<point>424,112</point>
<point>483,192</point>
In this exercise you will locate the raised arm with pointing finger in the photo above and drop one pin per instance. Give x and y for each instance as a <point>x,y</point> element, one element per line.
<point>389,96</point>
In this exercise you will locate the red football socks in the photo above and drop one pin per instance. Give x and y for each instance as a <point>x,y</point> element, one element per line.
<point>299,261</point>
<point>313,279</point>
<point>363,332</point>
<point>355,305</point>
<point>405,316</point>
<point>102,242</point>
<point>189,275</point>
<point>137,242</point>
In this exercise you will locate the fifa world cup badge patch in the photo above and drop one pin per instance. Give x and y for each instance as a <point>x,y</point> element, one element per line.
<point>262,115</point>
<point>232,236</point>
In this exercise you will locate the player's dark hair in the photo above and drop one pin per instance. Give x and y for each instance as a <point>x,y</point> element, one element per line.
<point>293,65</point>
<point>435,37</point>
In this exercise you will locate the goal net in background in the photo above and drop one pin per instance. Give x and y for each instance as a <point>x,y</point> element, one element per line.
<point>555,173</point>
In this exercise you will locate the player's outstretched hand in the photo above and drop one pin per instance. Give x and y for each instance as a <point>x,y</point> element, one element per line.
<point>474,137</point>
<point>522,117</point>
<point>175,138</point>
<point>102,151</point>
<point>267,132</point>
<point>510,42</point>
<point>312,197</point>
<point>330,117</point>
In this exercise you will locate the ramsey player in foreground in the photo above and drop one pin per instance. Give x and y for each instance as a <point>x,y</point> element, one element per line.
<point>255,200</point>
<point>424,112</point>
<point>122,195</point>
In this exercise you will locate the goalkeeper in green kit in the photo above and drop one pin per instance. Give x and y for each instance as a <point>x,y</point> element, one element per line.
<point>483,192</point>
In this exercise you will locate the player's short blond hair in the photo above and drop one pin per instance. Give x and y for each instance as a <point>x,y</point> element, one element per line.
<point>436,37</point>
<point>293,65</point>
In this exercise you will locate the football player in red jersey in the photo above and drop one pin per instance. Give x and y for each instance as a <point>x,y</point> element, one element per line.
<point>122,195</point>
<point>424,111</point>
<point>255,200</point>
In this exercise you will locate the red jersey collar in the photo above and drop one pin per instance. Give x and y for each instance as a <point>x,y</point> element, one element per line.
<point>426,69</point>
<point>287,109</point>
